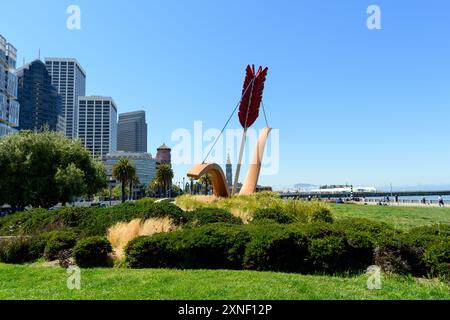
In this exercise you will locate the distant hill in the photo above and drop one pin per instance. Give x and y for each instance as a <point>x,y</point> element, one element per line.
<point>422,187</point>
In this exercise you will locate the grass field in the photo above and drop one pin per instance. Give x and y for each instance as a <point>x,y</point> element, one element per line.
<point>402,217</point>
<point>34,282</point>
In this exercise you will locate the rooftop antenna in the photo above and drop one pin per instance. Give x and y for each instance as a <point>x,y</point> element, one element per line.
<point>39,53</point>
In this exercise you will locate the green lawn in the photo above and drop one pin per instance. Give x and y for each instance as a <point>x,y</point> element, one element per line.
<point>402,217</point>
<point>33,282</point>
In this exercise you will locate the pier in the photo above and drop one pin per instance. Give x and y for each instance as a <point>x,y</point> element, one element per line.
<point>378,194</point>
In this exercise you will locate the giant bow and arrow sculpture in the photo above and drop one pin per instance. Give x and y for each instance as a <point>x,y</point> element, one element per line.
<point>248,105</point>
<point>249,108</point>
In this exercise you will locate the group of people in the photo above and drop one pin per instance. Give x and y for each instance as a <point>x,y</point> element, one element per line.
<point>440,201</point>
<point>424,200</point>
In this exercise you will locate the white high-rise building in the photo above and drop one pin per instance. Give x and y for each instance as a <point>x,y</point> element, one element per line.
<point>97,124</point>
<point>69,78</point>
<point>9,107</point>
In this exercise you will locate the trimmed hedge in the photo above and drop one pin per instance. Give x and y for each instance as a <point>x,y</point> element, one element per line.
<point>423,251</point>
<point>212,246</point>
<point>303,248</point>
<point>276,248</point>
<point>92,252</point>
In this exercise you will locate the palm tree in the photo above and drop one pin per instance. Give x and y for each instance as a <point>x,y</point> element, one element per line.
<point>191,187</point>
<point>124,171</point>
<point>164,176</point>
<point>134,181</point>
<point>154,188</point>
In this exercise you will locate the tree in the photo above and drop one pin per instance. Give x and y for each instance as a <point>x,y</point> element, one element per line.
<point>41,169</point>
<point>70,182</point>
<point>154,188</point>
<point>206,180</point>
<point>124,171</point>
<point>164,176</point>
<point>176,191</point>
<point>134,182</point>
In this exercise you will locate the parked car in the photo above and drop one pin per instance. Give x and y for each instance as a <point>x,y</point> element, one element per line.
<point>5,211</point>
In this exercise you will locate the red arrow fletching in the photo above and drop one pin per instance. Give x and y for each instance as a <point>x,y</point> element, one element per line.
<point>252,96</point>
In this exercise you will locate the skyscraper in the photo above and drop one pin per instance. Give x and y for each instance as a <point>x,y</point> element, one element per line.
<point>9,107</point>
<point>40,102</point>
<point>132,132</point>
<point>97,124</point>
<point>229,173</point>
<point>69,79</point>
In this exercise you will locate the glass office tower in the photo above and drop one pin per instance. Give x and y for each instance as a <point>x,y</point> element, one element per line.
<point>132,132</point>
<point>40,102</point>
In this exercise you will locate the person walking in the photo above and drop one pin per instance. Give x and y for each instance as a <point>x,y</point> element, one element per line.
<point>441,201</point>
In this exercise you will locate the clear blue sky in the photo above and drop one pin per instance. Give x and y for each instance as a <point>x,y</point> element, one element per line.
<point>352,105</point>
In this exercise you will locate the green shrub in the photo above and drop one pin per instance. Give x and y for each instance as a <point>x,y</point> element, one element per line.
<point>145,201</point>
<point>305,248</point>
<point>437,259</point>
<point>427,235</point>
<point>92,252</point>
<point>165,209</point>
<point>204,216</point>
<point>26,223</point>
<point>329,255</point>
<point>437,230</point>
<point>399,255</point>
<point>274,214</point>
<point>360,248</point>
<point>58,241</point>
<point>376,230</point>
<point>15,251</point>
<point>38,244</point>
<point>276,248</point>
<point>318,230</point>
<point>158,251</point>
<point>213,246</point>
<point>420,252</point>
<point>363,236</point>
<point>71,217</point>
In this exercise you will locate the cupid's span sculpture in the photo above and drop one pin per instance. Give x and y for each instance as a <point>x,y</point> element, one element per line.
<point>249,105</point>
